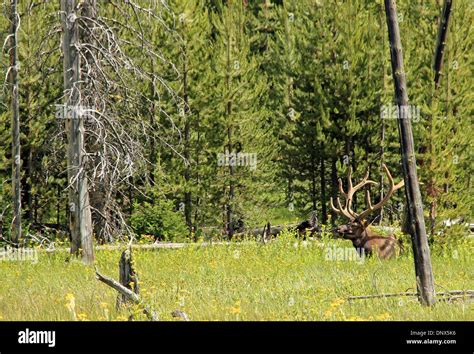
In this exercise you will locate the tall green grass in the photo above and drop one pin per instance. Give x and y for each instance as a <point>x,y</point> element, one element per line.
<point>283,280</point>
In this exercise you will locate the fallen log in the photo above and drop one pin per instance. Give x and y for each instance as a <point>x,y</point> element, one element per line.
<point>128,294</point>
<point>448,295</point>
<point>259,231</point>
<point>265,233</point>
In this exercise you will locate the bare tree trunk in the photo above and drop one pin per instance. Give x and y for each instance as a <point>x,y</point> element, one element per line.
<point>128,277</point>
<point>152,112</point>
<point>80,213</point>
<point>322,175</point>
<point>313,182</point>
<point>423,269</point>
<point>16,146</point>
<point>229,206</point>
<point>382,161</point>
<point>442,33</point>
<point>187,147</point>
<point>58,205</point>
<point>448,108</point>
<point>382,127</point>
<point>438,64</point>
<point>334,184</point>
<point>98,195</point>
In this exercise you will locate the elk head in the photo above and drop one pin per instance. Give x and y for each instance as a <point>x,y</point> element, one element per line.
<point>356,230</point>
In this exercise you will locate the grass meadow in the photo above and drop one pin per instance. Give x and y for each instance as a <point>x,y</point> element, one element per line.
<point>245,281</point>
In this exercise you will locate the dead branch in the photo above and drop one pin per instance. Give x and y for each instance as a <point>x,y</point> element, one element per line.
<point>130,295</point>
<point>449,295</point>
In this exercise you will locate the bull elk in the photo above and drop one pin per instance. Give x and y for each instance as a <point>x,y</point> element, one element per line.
<point>357,230</point>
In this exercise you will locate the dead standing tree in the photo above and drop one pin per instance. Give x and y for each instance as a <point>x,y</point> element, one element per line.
<point>97,192</point>
<point>110,100</point>
<point>80,222</point>
<point>13,72</point>
<point>127,275</point>
<point>440,44</point>
<point>423,269</point>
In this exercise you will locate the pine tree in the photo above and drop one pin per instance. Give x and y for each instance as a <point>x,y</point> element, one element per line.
<point>238,91</point>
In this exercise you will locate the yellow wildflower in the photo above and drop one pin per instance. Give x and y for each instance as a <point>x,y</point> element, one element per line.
<point>336,303</point>
<point>71,305</point>
<point>327,314</point>
<point>235,310</point>
<point>383,317</point>
<point>71,302</point>
<point>355,318</point>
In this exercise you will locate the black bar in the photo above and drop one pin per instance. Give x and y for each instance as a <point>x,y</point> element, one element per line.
<point>135,337</point>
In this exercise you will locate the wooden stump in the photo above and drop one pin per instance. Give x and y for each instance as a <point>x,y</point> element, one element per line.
<point>128,277</point>
<point>266,233</point>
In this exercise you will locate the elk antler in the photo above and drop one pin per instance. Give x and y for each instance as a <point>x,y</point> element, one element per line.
<point>392,188</point>
<point>347,210</point>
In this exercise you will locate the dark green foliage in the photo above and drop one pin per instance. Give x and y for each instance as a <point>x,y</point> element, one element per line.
<point>158,219</point>
<point>306,81</point>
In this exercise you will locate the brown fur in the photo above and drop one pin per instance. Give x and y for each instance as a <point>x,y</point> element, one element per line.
<point>372,243</point>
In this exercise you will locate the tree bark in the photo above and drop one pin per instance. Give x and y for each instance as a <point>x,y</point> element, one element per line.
<point>128,277</point>
<point>187,146</point>
<point>80,213</point>
<point>423,269</point>
<point>382,127</point>
<point>16,146</point>
<point>152,113</point>
<point>98,196</point>
<point>442,33</point>
<point>313,182</point>
<point>382,161</point>
<point>322,175</point>
<point>334,184</point>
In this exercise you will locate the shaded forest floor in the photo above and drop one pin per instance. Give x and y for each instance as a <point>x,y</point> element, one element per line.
<point>283,280</point>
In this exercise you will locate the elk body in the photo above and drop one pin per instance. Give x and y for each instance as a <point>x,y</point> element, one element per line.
<point>356,230</point>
